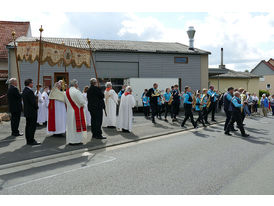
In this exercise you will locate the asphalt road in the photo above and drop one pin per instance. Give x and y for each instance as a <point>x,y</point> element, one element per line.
<point>202,161</point>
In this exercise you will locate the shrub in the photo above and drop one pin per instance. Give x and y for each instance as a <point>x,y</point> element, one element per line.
<point>261,92</point>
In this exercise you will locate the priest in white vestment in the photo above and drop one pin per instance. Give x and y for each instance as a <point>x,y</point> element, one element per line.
<point>111,101</point>
<point>40,114</point>
<point>45,104</point>
<point>76,123</point>
<point>57,112</point>
<point>87,114</point>
<point>125,116</point>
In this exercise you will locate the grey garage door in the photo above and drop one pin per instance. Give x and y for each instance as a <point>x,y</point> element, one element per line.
<point>117,69</point>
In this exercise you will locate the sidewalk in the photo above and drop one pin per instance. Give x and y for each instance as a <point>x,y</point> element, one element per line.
<point>14,149</point>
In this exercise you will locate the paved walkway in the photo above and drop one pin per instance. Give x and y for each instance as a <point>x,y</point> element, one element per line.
<point>14,149</point>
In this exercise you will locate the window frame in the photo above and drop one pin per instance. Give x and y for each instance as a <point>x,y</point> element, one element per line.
<point>180,62</point>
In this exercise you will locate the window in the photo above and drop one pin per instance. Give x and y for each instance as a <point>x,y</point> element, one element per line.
<point>268,86</point>
<point>261,79</point>
<point>181,60</point>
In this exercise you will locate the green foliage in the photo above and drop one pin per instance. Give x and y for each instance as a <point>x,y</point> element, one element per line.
<point>261,92</point>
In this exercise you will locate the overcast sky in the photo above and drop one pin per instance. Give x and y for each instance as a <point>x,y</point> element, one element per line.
<point>247,38</point>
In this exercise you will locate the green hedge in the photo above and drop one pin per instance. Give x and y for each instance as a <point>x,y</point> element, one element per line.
<point>261,92</point>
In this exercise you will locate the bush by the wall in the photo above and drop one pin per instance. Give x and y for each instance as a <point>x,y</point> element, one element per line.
<point>261,92</point>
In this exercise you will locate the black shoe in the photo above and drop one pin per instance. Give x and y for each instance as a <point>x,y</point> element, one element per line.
<point>75,144</point>
<point>182,125</point>
<point>33,143</point>
<point>111,127</point>
<point>234,130</point>
<point>213,120</point>
<point>245,135</point>
<point>153,121</point>
<point>207,122</point>
<point>166,120</point>
<point>227,133</point>
<point>204,125</point>
<point>101,137</point>
<point>125,130</point>
<point>16,135</point>
<point>58,135</point>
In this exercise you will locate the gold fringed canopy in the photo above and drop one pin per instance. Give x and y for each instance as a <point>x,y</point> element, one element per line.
<point>53,54</point>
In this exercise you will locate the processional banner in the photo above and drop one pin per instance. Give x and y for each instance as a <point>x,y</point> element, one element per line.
<point>53,54</point>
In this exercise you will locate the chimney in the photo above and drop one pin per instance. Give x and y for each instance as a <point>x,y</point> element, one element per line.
<point>222,66</point>
<point>191,32</point>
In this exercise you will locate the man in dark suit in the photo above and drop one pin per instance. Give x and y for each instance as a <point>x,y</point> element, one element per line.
<point>96,105</point>
<point>30,112</point>
<point>153,94</point>
<point>15,106</point>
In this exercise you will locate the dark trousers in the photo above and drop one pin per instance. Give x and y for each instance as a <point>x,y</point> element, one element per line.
<point>96,122</point>
<point>255,108</point>
<point>250,108</point>
<point>243,116</point>
<point>146,111</point>
<point>188,114</point>
<point>236,117</point>
<point>167,109</point>
<point>205,114</point>
<point>228,117</point>
<point>159,110</point>
<point>272,107</point>
<point>212,108</point>
<point>154,111</point>
<point>175,109</point>
<point>200,118</point>
<point>14,122</point>
<point>30,129</point>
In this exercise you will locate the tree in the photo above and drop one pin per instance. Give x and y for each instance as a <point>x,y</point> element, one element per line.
<point>246,70</point>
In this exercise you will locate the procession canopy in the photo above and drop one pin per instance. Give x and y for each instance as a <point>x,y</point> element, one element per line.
<point>53,54</point>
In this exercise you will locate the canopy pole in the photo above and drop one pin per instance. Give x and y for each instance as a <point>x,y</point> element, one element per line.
<point>90,49</point>
<point>16,58</point>
<point>40,53</point>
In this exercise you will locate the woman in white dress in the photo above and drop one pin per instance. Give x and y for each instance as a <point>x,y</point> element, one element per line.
<point>125,116</point>
<point>40,114</point>
<point>45,104</point>
<point>111,101</point>
<point>87,114</point>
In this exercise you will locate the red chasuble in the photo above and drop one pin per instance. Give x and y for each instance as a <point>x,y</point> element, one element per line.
<point>51,115</point>
<point>79,115</point>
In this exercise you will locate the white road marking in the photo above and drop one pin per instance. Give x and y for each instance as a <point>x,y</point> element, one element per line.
<point>61,173</point>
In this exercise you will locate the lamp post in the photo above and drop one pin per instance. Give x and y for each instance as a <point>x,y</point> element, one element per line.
<point>90,49</point>
<point>17,65</point>
<point>40,54</point>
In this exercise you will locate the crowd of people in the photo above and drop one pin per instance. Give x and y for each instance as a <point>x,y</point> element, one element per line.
<point>66,111</point>
<point>203,102</point>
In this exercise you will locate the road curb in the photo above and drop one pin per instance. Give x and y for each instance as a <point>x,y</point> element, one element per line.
<point>77,151</point>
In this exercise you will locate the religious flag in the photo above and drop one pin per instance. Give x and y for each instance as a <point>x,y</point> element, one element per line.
<point>53,54</point>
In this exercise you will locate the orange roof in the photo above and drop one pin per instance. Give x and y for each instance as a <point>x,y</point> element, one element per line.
<point>6,28</point>
<point>268,64</point>
<point>271,61</point>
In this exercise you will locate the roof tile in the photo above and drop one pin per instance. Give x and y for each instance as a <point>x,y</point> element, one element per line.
<point>6,28</point>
